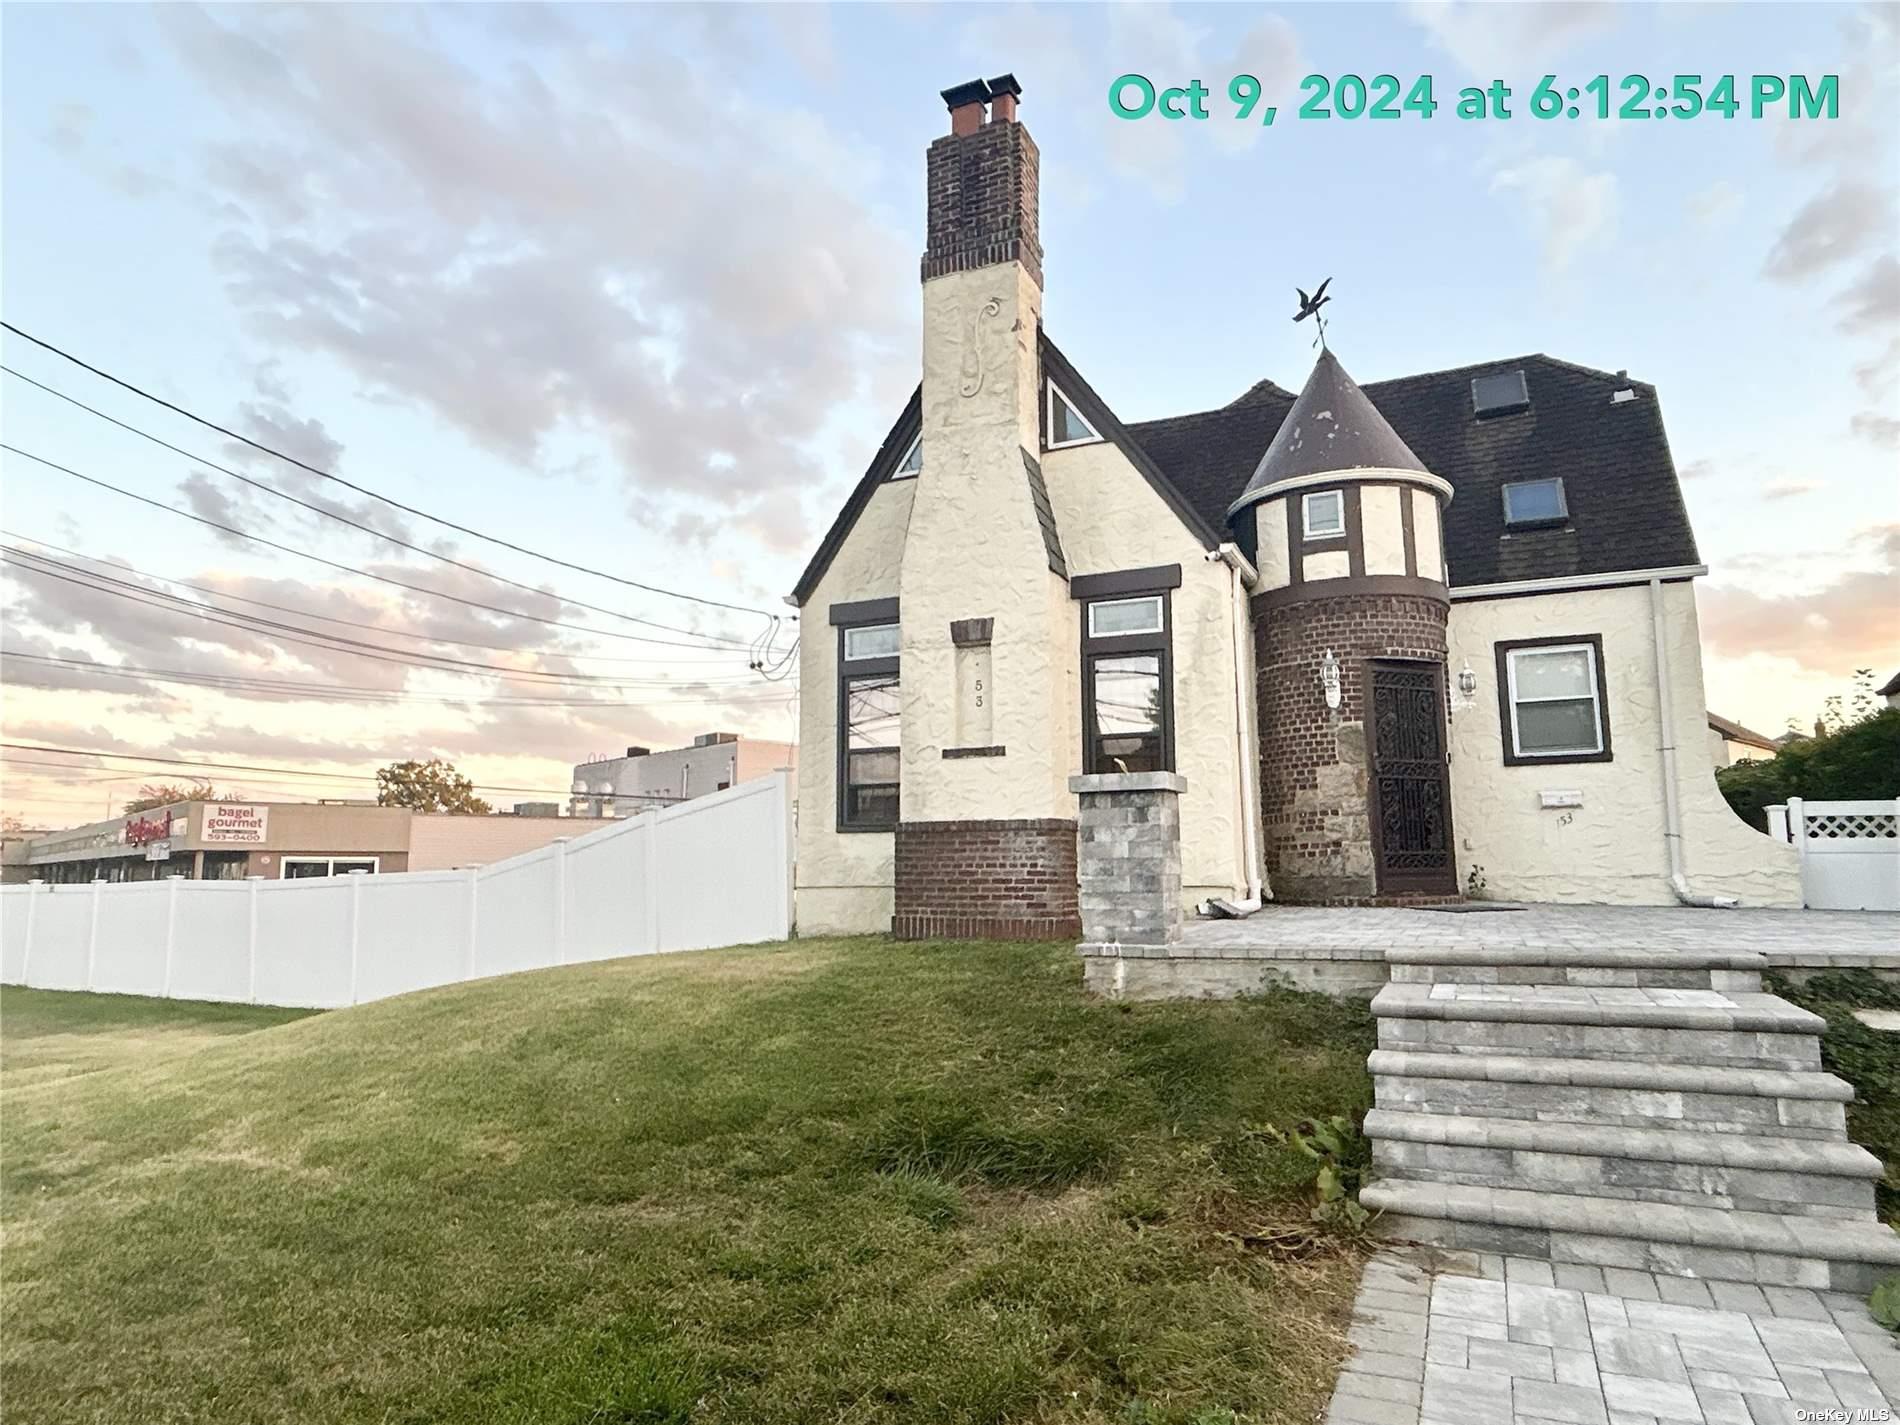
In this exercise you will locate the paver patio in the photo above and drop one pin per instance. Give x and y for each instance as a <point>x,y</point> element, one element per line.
<point>1462,1338</point>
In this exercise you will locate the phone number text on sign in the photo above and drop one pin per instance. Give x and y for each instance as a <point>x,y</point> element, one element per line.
<point>1385,96</point>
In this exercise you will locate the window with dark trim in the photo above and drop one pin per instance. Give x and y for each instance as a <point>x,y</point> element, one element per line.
<point>1127,684</point>
<point>1553,705</point>
<point>869,742</point>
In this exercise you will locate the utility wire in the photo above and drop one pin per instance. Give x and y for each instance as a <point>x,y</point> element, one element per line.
<point>316,509</point>
<point>340,692</point>
<point>274,631</point>
<point>715,656</point>
<point>242,767</point>
<point>30,563</point>
<point>364,490</point>
<point>359,573</point>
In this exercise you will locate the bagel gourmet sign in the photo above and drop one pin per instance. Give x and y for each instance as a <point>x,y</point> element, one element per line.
<point>233,824</point>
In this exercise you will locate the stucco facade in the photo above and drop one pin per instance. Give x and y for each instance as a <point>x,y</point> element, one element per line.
<point>1609,845</point>
<point>1308,700</point>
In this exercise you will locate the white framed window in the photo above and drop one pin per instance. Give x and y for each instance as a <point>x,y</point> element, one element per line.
<point>1065,423</point>
<point>912,463</point>
<point>1535,501</point>
<point>1122,618</point>
<point>1554,701</point>
<point>1323,514</point>
<point>298,868</point>
<point>870,640</point>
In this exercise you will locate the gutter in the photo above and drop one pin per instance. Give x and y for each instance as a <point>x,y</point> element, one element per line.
<point>1562,583</point>
<point>1245,577</point>
<point>1672,808</point>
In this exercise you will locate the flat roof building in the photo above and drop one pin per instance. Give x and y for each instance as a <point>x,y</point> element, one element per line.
<point>644,779</point>
<point>277,840</point>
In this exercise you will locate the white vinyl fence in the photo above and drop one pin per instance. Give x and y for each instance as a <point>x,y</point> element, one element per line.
<point>713,871</point>
<point>1850,851</point>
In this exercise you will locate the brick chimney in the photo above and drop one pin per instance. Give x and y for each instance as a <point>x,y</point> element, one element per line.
<point>982,184</point>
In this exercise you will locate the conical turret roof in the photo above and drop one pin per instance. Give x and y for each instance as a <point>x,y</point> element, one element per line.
<point>1333,426</point>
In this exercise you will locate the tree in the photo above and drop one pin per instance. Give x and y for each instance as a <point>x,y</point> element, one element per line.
<point>434,785</point>
<point>165,794</point>
<point>1858,762</point>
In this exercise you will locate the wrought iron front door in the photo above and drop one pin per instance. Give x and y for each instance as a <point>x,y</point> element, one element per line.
<point>1411,788</point>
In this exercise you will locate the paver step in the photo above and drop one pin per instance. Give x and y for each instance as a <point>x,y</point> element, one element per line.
<point>1716,1243</point>
<point>1591,969</point>
<point>1635,1094</point>
<point>1647,1165</point>
<point>1706,1027</point>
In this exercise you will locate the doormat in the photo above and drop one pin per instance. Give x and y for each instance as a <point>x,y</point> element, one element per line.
<point>1470,907</point>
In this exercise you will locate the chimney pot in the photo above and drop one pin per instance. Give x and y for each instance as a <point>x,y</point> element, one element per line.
<point>965,102</point>
<point>1005,93</point>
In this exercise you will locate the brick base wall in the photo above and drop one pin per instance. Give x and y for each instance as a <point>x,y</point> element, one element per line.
<point>1314,761</point>
<point>986,880</point>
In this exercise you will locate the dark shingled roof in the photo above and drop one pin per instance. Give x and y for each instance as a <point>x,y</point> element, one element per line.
<point>1733,731</point>
<point>1332,426</point>
<point>1626,509</point>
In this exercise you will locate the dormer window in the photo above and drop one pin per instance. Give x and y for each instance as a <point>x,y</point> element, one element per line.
<point>912,462</point>
<point>1535,502</point>
<point>1499,394</point>
<point>1323,514</point>
<point>1066,426</point>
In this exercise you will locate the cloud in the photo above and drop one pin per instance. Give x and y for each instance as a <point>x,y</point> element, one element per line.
<point>1572,210</point>
<point>542,253</point>
<point>1882,430</point>
<point>1840,222</point>
<point>1873,302</point>
<point>1848,624</point>
<point>1789,489</point>
<point>1698,469</point>
<point>1494,40</point>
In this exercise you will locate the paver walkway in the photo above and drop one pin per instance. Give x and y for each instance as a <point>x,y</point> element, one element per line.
<point>1787,937</point>
<point>1462,1338</point>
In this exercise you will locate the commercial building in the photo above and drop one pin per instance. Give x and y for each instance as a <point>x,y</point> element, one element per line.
<point>277,840</point>
<point>645,779</point>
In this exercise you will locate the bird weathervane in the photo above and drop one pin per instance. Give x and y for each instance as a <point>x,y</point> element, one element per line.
<point>1309,307</point>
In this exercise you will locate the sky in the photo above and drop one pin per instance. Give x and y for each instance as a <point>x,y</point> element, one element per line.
<point>635,287</point>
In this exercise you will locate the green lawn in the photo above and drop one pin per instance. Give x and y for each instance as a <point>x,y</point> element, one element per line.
<point>831,1181</point>
<point>1867,1058</point>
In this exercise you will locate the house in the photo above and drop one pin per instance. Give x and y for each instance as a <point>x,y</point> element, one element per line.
<point>1394,641</point>
<point>1889,691</point>
<point>1730,743</point>
<point>645,779</point>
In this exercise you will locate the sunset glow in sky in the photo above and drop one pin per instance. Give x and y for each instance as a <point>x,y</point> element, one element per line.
<point>637,287</point>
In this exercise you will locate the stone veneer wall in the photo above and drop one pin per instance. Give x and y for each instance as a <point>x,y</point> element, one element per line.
<point>1130,849</point>
<point>1314,760</point>
<point>986,880</point>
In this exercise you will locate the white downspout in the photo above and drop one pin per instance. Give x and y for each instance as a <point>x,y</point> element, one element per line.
<point>1244,574</point>
<point>1672,808</point>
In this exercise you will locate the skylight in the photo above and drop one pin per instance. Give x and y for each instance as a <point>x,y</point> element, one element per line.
<point>1066,426</point>
<point>1535,502</point>
<point>1499,394</point>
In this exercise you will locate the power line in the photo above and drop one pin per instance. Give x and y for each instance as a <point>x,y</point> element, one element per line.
<point>243,767</point>
<point>214,592</point>
<point>358,573</point>
<point>316,638</point>
<point>364,490</point>
<point>308,691</point>
<point>316,509</point>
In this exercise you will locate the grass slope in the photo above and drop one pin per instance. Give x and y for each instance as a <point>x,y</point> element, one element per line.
<point>838,1181</point>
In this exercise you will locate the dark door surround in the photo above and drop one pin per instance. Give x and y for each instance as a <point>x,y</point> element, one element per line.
<point>1408,778</point>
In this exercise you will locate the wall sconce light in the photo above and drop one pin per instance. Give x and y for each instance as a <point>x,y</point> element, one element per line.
<point>1329,679</point>
<point>1467,681</point>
